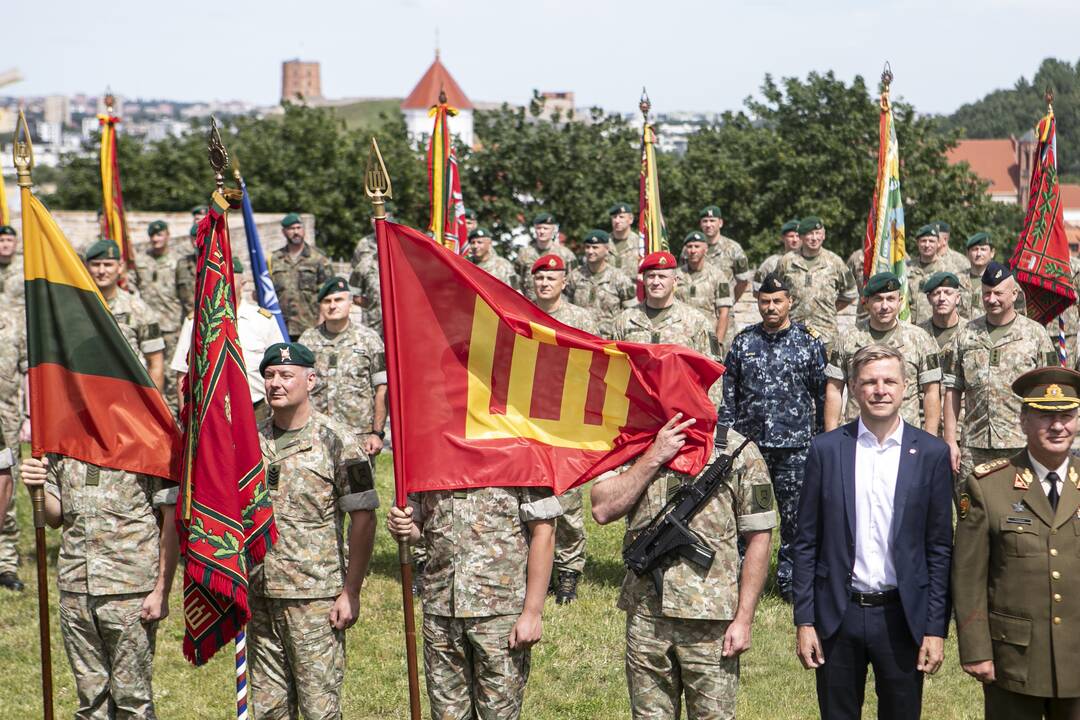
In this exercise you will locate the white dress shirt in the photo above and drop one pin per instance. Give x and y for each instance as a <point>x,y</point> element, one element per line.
<point>876,467</point>
<point>1041,471</point>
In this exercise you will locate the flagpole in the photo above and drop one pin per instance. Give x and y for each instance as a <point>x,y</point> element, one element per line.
<point>377,187</point>
<point>24,164</point>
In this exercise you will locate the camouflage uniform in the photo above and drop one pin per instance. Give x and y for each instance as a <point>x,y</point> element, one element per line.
<point>473,592</point>
<point>982,363</point>
<point>297,658</point>
<point>1071,316</point>
<point>350,365</point>
<point>817,284</point>
<point>768,265</point>
<point>138,324</point>
<point>943,337</point>
<point>108,563</point>
<point>13,366</point>
<point>678,323</point>
<point>774,393</point>
<point>971,297</point>
<point>531,253</point>
<point>709,290</point>
<point>955,262</point>
<point>186,270</point>
<point>604,293</point>
<point>729,255</point>
<point>364,279</point>
<point>626,254</point>
<point>922,364</point>
<point>157,288</point>
<point>11,273</point>
<point>570,527</point>
<point>674,642</point>
<point>502,269</point>
<point>297,279</point>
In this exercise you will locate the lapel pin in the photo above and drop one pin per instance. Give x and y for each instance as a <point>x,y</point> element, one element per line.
<point>912,451</point>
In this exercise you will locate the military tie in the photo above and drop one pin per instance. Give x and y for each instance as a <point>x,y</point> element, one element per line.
<point>1053,495</point>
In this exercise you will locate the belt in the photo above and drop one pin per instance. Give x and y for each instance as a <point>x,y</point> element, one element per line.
<point>875,599</point>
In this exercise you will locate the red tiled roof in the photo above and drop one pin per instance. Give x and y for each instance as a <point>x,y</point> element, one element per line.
<point>992,160</point>
<point>426,92</point>
<point>1070,197</point>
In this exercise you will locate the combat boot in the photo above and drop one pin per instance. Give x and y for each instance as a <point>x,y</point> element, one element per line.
<point>566,590</point>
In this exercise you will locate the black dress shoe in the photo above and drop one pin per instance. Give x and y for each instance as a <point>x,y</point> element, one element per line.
<point>11,581</point>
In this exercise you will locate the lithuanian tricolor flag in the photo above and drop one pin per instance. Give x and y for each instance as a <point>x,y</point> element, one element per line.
<point>90,396</point>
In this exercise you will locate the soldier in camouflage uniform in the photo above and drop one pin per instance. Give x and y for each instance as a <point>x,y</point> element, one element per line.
<point>598,286</point>
<point>11,267</point>
<point>724,251</point>
<point>686,639</point>
<point>306,593</point>
<point>942,291</point>
<point>470,220</point>
<point>115,571</point>
<point>707,287</point>
<point>789,242</point>
<point>184,275</point>
<point>485,258</point>
<point>953,261</point>
<point>921,266</point>
<point>660,318</point>
<point>298,271</point>
<point>625,247</point>
<point>157,288</point>
<point>820,283</point>
<point>545,242</point>
<point>774,394</point>
<point>137,321</point>
<point>979,254</point>
<point>482,605</point>
<point>921,404</point>
<point>987,354</point>
<point>350,368</point>
<point>364,277</point>
<point>13,366</point>
<point>549,281</point>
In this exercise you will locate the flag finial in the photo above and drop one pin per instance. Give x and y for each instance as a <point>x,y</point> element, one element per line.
<point>219,156</point>
<point>23,152</point>
<point>377,181</point>
<point>110,101</point>
<point>886,77</point>
<point>644,105</point>
<point>1049,95</point>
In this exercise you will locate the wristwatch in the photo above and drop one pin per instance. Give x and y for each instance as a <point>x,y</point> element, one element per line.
<point>381,434</point>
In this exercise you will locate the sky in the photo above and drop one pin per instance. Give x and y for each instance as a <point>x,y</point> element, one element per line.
<point>692,56</point>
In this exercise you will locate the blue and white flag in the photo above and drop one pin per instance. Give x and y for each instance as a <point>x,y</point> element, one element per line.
<point>265,293</point>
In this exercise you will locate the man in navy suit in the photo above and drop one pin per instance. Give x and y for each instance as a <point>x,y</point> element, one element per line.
<point>872,550</point>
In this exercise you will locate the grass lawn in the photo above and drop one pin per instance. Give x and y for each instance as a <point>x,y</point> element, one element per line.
<point>577,668</point>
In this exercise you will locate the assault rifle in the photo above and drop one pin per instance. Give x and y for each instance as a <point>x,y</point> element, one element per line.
<point>668,535</point>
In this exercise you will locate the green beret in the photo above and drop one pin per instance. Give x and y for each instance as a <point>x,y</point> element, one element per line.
<point>927,231</point>
<point>287,354</point>
<point>979,238</point>
<point>940,279</point>
<point>789,226</point>
<point>480,233</point>
<point>103,250</point>
<point>711,211</point>
<point>470,213</point>
<point>883,282</point>
<point>596,237</point>
<point>810,224</point>
<point>200,210</point>
<point>7,230</point>
<point>544,218</point>
<point>622,207</point>
<point>237,266</point>
<point>995,274</point>
<point>155,227</point>
<point>290,219</point>
<point>941,226</point>
<point>194,229</point>
<point>334,285</point>
<point>696,236</point>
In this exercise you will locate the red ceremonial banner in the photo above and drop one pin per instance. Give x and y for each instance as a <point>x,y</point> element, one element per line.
<point>488,390</point>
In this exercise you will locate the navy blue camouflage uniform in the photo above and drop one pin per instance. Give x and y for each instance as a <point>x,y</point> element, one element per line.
<point>774,394</point>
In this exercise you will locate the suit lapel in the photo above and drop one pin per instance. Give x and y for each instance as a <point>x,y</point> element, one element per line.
<point>847,472</point>
<point>1035,496</point>
<point>1070,497</point>
<point>905,475</point>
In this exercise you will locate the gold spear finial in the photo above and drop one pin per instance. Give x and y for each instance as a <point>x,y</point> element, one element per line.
<point>236,169</point>
<point>219,156</point>
<point>644,105</point>
<point>886,77</point>
<point>377,181</point>
<point>23,152</point>
<point>442,95</point>
<point>110,101</point>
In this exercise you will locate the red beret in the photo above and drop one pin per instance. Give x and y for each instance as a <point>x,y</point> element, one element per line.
<point>548,262</point>
<point>658,261</point>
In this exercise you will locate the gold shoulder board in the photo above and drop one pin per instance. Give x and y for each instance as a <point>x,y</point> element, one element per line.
<point>987,468</point>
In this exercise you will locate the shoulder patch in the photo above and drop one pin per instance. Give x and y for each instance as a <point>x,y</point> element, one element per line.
<point>265,313</point>
<point>987,468</point>
<point>964,505</point>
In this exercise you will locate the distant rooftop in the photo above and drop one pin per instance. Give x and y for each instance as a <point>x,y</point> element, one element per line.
<point>426,92</point>
<point>992,160</point>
